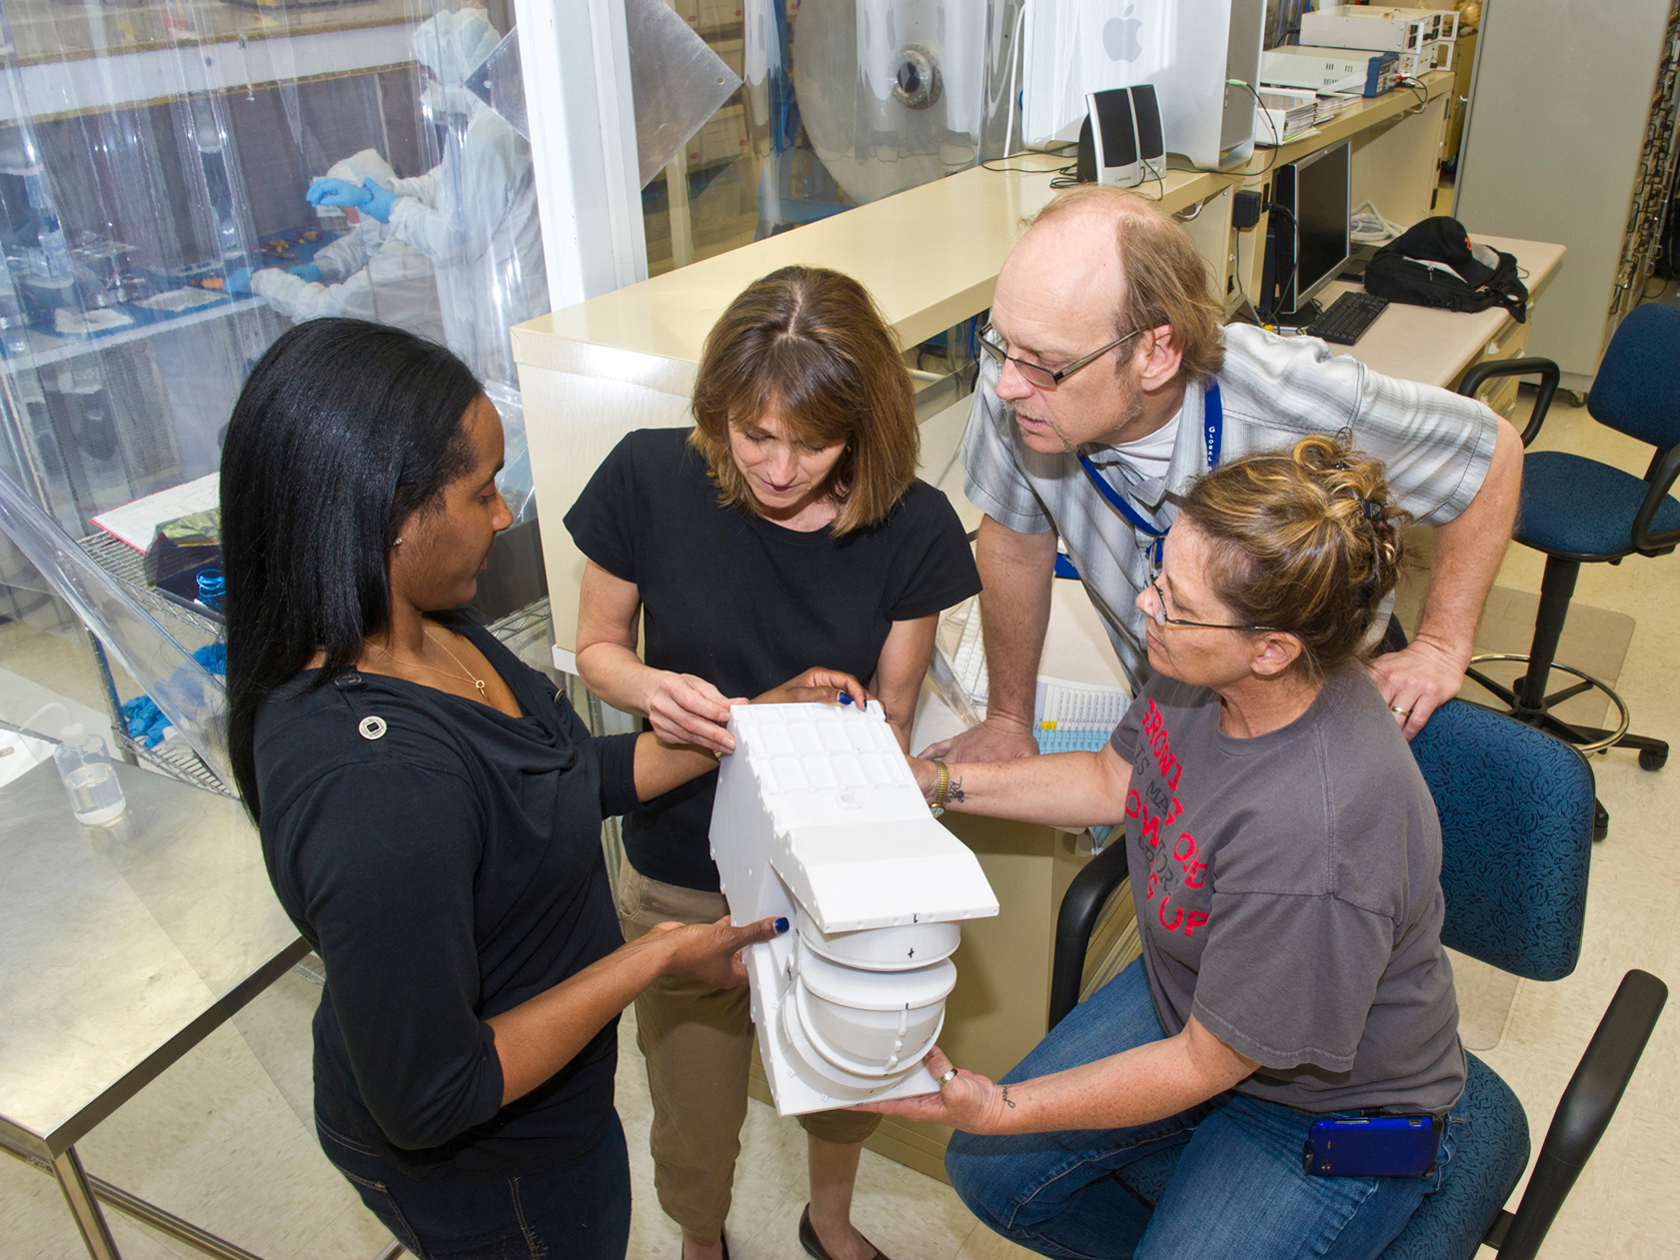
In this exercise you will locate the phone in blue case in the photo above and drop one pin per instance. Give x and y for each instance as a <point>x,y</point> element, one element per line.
<point>1372,1146</point>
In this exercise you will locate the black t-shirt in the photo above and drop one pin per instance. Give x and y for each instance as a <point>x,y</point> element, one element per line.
<point>446,869</point>
<point>747,604</point>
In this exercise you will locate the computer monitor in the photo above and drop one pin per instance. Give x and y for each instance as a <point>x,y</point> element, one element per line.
<point>1308,230</point>
<point>1190,50</point>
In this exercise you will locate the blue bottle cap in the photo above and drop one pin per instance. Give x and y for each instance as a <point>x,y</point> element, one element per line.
<point>212,585</point>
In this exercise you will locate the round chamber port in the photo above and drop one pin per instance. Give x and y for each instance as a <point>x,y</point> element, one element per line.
<point>917,82</point>
<point>901,948</point>
<point>870,1023</point>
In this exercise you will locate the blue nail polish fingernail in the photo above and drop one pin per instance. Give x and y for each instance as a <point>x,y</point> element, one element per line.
<point>781,925</point>
<point>845,698</point>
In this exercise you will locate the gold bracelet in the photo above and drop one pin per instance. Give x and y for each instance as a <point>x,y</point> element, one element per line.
<point>941,788</point>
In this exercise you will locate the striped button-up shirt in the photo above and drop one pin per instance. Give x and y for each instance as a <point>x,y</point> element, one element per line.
<point>1436,446</point>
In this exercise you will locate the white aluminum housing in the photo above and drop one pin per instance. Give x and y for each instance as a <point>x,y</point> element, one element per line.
<point>818,818</point>
<point>1365,26</point>
<point>1189,50</point>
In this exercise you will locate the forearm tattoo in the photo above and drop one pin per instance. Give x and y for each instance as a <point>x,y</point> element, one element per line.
<point>954,793</point>
<point>1007,1100</point>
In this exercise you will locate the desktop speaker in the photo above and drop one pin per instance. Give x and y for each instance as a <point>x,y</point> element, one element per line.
<point>1120,141</point>
<point>1114,141</point>
<point>1146,113</point>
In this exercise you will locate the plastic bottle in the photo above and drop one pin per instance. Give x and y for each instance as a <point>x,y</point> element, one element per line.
<point>90,780</point>
<point>227,232</point>
<point>50,234</point>
<point>84,766</point>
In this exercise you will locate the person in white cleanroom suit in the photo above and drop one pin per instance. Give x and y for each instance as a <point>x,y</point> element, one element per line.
<point>475,213</point>
<point>369,273</point>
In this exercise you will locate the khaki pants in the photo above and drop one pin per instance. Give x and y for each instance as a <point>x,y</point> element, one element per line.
<point>697,1041</point>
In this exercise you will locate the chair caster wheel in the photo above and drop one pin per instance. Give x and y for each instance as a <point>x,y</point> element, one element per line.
<point>1651,759</point>
<point>1601,822</point>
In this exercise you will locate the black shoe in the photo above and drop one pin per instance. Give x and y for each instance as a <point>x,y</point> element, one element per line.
<point>813,1246</point>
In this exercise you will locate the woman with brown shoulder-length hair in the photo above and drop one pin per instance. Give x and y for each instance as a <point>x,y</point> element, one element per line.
<point>785,530</point>
<point>810,344</point>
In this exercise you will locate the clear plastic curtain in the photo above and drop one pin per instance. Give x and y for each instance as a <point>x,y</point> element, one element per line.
<point>472,210</point>
<point>190,696</point>
<point>155,166</point>
<point>148,154</point>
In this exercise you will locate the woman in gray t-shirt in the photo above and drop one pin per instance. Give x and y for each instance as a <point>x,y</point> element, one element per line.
<point>1285,861</point>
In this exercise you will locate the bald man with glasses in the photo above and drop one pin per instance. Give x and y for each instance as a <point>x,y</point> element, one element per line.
<point>1108,384</point>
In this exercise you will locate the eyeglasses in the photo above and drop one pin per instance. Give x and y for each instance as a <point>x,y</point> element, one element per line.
<point>1037,373</point>
<point>1160,614</point>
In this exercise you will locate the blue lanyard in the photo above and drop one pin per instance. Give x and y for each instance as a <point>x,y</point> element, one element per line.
<point>1213,429</point>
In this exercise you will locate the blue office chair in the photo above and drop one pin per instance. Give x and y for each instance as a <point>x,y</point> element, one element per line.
<point>1516,822</point>
<point>1577,511</point>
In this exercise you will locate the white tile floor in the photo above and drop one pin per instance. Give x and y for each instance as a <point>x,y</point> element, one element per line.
<point>222,1138</point>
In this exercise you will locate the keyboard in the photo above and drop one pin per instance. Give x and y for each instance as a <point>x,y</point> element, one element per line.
<point>1075,717</point>
<point>1347,318</point>
<point>1060,739</point>
<point>968,659</point>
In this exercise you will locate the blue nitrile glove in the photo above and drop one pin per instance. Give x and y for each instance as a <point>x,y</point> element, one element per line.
<point>144,721</point>
<point>142,718</point>
<point>239,280</point>
<point>336,192</point>
<point>305,271</point>
<point>380,200</point>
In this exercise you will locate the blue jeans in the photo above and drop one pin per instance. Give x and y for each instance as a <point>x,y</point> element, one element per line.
<point>1237,1190</point>
<point>579,1210</point>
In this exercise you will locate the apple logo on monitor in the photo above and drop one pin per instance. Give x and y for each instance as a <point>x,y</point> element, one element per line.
<point>1120,37</point>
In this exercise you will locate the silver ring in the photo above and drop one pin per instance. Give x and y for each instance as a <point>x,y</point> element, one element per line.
<point>950,1075</point>
<point>1394,708</point>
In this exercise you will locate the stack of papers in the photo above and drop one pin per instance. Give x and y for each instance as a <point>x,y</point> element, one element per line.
<point>1284,115</point>
<point>135,523</point>
<point>1332,103</point>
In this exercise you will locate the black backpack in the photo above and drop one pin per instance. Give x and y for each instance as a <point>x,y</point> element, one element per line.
<point>1431,264</point>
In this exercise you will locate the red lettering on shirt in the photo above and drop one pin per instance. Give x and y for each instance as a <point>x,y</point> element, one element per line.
<point>1155,728</point>
<point>1178,914</point>
<point>1181,921</point>
<point>1151,829</point>
<point>1184,849</point>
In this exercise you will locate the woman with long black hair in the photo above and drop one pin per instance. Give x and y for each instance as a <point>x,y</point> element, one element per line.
<point>430,810</point>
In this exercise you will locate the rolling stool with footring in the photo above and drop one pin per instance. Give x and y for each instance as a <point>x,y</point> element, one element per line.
<point>1578,511</point>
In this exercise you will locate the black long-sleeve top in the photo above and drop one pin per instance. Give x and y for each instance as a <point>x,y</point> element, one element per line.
<point>444,859</point>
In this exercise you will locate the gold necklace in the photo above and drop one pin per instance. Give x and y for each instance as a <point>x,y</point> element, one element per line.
<point>469,675</point>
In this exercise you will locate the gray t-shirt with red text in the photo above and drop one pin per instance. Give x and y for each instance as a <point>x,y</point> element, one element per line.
<point>1288,895</point>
